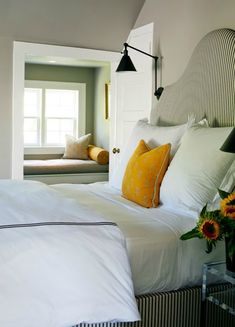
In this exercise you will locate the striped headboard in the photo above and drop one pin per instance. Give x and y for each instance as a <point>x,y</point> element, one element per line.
<point>207,86</point>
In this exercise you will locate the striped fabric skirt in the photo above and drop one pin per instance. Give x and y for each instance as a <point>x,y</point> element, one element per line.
<point>180,308</point>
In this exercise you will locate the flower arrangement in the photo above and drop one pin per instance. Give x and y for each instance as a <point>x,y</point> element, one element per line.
<point>216,225</point>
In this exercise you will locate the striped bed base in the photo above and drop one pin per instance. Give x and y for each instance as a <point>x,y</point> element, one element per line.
<point>180,308</point>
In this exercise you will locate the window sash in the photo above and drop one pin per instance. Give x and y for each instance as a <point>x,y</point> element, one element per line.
<point>37,92</point>
<point>59,105</point>
<point>78,122</point>
<point>61,130</point>
<point>33,131</point>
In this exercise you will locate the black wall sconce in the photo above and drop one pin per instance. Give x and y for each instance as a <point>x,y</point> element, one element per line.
<point>229,144</point>
<point>126,64</point>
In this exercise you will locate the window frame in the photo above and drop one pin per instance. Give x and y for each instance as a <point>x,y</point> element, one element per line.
<point>81,119</point>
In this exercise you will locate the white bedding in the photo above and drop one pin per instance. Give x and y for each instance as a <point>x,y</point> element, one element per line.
<point>58,276</point>
<point>159,260</point>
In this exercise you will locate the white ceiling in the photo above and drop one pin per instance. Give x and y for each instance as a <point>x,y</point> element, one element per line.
<point>95,24</point>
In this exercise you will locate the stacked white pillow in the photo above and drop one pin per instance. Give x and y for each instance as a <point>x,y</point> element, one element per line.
<point>197,170</point>
<point>153,136</point>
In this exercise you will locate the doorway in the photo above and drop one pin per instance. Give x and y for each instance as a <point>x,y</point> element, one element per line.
<point>21,51</point>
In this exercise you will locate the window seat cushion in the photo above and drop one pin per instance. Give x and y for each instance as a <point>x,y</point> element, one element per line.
<point>62,166</point>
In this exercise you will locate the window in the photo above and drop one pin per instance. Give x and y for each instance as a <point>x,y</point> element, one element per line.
<point>52,110</point>
<point>32,110</point>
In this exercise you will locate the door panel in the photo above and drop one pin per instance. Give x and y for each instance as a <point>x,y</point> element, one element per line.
<point>132,92</point>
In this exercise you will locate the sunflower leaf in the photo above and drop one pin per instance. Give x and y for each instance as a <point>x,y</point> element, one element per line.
<point>191,234</point>
<point>202,213</point>
<point>223,194</point>
<point>209,246</point>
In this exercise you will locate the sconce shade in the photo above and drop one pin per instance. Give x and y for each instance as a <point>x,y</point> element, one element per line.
<point>229,144</point>
<point>126,65</point>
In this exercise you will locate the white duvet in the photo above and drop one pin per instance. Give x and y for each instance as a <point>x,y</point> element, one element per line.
<point>60,275</point>
<point>159,260</point>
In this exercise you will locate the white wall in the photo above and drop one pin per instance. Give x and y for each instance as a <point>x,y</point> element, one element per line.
<point>101,125</point>
<point>179,26</point>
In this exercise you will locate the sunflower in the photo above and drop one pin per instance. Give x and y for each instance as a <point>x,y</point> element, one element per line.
<point>209,229</point>
<point>216,225</point>
<point>227,206</point>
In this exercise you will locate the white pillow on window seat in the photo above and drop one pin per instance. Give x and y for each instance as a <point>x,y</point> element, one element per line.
<point>197,170</point>
<point>76,148</point>
<point>153,137</point>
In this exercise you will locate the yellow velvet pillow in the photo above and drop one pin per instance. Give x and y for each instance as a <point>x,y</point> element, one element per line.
<point>144,173</point>
<point>100,155</point>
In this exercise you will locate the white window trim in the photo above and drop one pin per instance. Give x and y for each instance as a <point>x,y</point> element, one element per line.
<point>81,128</point>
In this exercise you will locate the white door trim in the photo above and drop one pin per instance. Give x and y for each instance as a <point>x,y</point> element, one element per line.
<point>20,51</point>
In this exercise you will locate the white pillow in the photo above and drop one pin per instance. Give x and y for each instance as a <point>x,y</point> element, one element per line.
<point>153,136</point>
<point>196,170</point>
<point>76,148</point>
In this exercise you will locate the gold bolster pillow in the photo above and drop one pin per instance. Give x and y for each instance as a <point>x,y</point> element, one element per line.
<point>98,154</point>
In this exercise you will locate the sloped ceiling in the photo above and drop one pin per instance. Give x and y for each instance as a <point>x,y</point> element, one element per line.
<point>97,24</point>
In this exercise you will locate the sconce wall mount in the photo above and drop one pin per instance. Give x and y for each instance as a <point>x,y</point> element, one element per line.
<point>126,64</point>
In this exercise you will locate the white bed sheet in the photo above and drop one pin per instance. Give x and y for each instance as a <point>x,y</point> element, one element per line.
<point>159,260</point>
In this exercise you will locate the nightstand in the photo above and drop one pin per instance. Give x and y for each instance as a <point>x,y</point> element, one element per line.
<point>224,296</point>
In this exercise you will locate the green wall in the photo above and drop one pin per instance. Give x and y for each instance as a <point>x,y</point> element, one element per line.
<point>101,125</point>
<point>68,74</point>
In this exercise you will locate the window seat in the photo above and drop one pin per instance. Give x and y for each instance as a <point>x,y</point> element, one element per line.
<point>52,169</point>
<point>62,166</point>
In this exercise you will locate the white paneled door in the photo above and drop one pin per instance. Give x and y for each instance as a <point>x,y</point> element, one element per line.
<point>131,92</point>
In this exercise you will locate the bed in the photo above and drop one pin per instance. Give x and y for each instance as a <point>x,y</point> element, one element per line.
<point>148,259</point>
